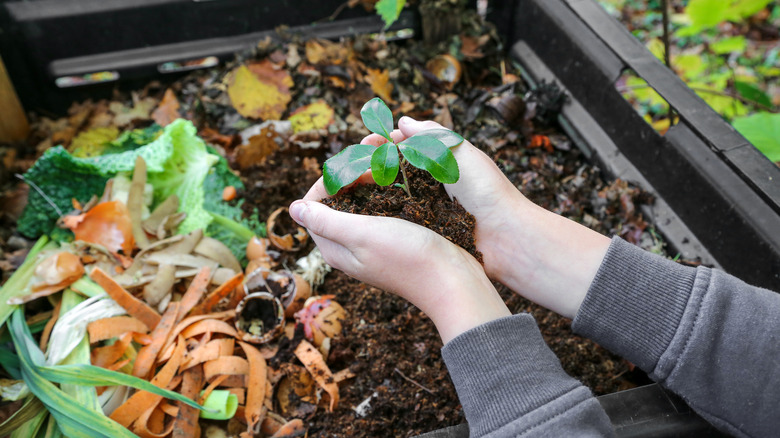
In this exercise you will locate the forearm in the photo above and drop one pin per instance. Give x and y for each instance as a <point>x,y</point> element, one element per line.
<point>547,258</point>
<point>705,335</point>
<point>510,383</point>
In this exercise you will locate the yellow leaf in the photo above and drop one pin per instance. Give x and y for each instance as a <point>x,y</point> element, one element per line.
<point>380,84</point>
<point>317,115</point>
<point>260,90</point>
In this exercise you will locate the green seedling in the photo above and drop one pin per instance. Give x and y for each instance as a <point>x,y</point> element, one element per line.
<point>427,150</point>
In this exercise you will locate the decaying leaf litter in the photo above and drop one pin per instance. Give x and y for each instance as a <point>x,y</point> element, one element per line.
<point>201,262</point>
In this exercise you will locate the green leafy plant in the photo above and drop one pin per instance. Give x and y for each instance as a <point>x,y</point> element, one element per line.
<point>428,150</point>
<point>389,10</point>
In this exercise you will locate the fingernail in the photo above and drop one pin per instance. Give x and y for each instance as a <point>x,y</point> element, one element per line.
<point>298,212</point>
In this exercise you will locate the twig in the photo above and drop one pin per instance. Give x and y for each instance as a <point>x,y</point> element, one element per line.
<point>414,382</point>
<point>40,192</point>
<point>708,91</point>
<point>666,36</point>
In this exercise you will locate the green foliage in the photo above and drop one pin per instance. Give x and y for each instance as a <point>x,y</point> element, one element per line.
<point>726,46</point>
<point>385,164</point>
<point>428,150</point>
<point>763,130</point>
<point>228,223</point>
<point>345,167</point>
<point>432,155</point>
<point>55,179</point>
<point>389,10</point>
<point>753,93</point>
<point>184,173</point>
<point>704,14</point>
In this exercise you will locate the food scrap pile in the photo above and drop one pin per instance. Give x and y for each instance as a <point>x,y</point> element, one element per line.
<point>170,294</point>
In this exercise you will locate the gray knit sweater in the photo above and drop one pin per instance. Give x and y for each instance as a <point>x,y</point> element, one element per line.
<point>703,334</point>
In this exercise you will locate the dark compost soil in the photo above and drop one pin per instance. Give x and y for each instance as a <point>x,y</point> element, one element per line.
<point>391,347</point>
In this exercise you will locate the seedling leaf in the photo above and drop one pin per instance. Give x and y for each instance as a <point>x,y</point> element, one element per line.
<point>430,154</point>
<point>346,166</point>
<point>377,117</point>
<point>449,138</point>
<point>384,164</point>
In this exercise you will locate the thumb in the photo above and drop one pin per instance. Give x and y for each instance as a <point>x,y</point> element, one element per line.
<point>410,127</point>
<point>320,220</point>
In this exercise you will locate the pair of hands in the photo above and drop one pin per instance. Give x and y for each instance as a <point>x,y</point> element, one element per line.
<point>519,242</point>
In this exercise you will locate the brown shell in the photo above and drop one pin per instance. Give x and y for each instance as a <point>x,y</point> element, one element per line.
<point>445,68</point>
<point>287,241</point>
<point>259,318</point>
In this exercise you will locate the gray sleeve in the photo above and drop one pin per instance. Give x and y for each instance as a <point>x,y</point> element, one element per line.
<point>703,334</point>
<point>510,384</point>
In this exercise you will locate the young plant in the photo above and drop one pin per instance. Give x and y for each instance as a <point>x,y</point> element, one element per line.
<point>428,150</point>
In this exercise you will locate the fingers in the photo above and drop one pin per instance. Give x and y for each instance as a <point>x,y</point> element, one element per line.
<point>317,192</point>
<point>336,226</point>
<point>409,127</point>
<point>378,140</point>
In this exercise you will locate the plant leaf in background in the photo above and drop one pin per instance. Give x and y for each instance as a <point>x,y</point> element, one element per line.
<point>345,167</point>
<point>73,419</point>
<point>19,280</point>
<point>378,118</point>
<point>260,90</point>
<point>184,173</point>
<point>753,93</point>
<point>384,164</point>
<point>430,154</point>
<point>316,115</point>
<point>736,44</point>
<point>389,10</point>
<point>763,130</point>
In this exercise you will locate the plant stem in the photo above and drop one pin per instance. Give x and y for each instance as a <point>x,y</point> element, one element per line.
<point>406,180</point>
<point>666,37</point>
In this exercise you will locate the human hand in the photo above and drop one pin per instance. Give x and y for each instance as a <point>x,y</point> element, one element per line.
<point>441,279</point>
<point>541,255</point>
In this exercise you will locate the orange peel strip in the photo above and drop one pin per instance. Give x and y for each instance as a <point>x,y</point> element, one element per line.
<point>147,356</point>
<point>108,355</point>
<point>186,423</point>
<point>209,351</point>
<point>314,362</point>
<point>231,365</point>
<point>55,315</point>
<point>212,386</point>
<point>225,289</point>
<point>209,325</point>
<point>134,407</point>
<point>195,292</point>
<point>255,410</point>
<point>131,304</point>
<point>114,327</point>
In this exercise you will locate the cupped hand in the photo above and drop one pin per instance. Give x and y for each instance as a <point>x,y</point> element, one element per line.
<point>483,190</point>
<point>443,280</point>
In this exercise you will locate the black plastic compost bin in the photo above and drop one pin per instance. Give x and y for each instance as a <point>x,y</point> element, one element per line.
<point>718,198</point>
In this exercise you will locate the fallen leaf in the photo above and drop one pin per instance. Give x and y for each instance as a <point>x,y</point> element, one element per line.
<point>471,47</point>
<point>168,110</point>
<point>380,84</point>
<point>141,110</point>
<point>326,52</point>
<point>260,146</point>
<point>317,115</point>
<point>260,90</point>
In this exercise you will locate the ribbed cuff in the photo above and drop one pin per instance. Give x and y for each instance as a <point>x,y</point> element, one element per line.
<point>503,370</point>
<point>635,303</point>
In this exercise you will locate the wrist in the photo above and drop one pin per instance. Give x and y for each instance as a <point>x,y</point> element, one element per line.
<point>462,298</point>
<point>549,259</point>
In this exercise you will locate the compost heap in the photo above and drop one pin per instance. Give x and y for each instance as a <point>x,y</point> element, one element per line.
<point>169,294</point>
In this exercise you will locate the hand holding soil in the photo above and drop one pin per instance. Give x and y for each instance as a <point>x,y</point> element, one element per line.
<point>544,257</point>
<point>440,278</point>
